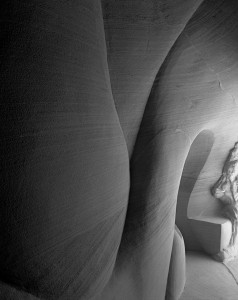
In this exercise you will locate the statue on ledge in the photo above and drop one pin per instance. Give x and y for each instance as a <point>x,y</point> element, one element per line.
<point>226,190</point>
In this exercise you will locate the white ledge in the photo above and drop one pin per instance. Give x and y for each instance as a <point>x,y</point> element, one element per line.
<point>213,232</point>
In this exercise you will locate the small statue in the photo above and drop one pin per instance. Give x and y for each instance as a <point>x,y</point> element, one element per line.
<point>226,190</point>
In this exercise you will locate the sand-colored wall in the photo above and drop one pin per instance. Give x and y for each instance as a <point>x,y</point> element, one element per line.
<point>101,102</point>
<point>65,169</point>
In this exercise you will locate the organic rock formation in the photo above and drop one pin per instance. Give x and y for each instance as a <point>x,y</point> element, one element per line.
<point>100,104</point>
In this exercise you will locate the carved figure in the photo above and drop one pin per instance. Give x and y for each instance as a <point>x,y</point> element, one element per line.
<point>226,190</point>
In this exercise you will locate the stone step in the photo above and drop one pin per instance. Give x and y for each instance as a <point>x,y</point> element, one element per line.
<point>213,232</point>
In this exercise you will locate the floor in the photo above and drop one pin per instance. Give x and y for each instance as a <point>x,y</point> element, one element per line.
<point>208,279</point>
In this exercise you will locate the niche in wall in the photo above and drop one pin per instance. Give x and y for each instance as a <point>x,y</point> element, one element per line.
<point>195,161</point>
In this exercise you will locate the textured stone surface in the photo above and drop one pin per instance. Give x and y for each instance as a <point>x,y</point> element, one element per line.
<point>65,170</point>
<point>100,104</point>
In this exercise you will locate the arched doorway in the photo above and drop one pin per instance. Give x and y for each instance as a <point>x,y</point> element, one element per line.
<point>195,161</point>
